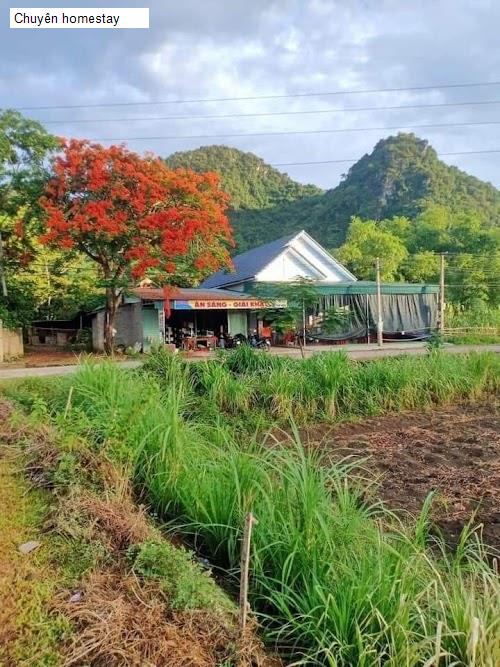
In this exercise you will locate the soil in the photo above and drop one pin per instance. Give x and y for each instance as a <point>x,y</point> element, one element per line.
<point>454,452</point>
<point>46,356</point>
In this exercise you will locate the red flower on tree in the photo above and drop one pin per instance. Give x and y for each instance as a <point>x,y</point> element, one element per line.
<point>131,214</point>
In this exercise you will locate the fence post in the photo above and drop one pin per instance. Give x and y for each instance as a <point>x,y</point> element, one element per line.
<point>437,654</point>
<point>473,641</point>
<point>244,570</point>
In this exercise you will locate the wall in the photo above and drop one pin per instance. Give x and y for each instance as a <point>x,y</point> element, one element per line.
<point>98,332</point>
<point>150,327</point>
<point>11,343</point>
<point>305,259</point>
<point>128,325</point>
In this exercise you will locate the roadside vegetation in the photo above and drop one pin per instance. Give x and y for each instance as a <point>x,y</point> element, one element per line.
<point>479,324</point>
<point>27,581</point>
<point>336,579</point>
<point>100,583</point>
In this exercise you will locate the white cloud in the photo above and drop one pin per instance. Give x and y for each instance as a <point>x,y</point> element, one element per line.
<point>215,49</point>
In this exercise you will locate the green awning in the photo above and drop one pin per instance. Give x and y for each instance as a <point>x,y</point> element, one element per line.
<point>355,287</point>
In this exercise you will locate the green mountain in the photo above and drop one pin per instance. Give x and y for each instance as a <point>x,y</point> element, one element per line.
<point>251,182</point>
<point>400,176</point>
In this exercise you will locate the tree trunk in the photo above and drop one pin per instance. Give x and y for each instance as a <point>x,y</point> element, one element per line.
<point>3,282</point>
<point>113,296</point>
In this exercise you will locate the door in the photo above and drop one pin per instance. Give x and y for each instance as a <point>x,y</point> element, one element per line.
<point>237,322</point>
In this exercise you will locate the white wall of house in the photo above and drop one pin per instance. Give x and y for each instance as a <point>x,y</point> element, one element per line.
<point>304,258</point>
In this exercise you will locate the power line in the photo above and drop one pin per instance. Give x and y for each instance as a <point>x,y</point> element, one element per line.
<point>475,283</point>
<point>264,97</point>
<point>293,164</point>
<point>269,113</point>
<point>297,132</point>
<point>435,253</point>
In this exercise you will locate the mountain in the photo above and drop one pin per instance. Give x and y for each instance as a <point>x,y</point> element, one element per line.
<point>399,177</point>
<point>251,183</point>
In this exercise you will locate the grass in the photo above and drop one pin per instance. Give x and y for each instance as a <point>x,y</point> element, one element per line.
<point>28,630</point>
<point>473,338</point>
<point>326,386</point>
<point>335,582</point>
<point>476,320</point>
<point>143,600</point>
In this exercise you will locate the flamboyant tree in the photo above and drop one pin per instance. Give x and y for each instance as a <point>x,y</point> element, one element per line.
<point>132,215</point>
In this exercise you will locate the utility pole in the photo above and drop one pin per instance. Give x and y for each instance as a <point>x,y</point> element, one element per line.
<point>380,324</point>
<point>304,321</point>
<point>441,296</point>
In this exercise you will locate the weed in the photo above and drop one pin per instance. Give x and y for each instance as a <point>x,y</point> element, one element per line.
<point>184,582</point>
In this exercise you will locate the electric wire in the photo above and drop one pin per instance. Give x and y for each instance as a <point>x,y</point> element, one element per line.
<point>443,86</point>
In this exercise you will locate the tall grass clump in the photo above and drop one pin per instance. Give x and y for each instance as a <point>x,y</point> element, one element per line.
<point>215,382</point>
<point>331,386</point>
<point>335,582</point>
<point>328,386</point>
<point>330,377</point>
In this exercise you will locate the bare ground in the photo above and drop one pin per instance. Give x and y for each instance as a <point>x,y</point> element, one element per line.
<point>454,452</point>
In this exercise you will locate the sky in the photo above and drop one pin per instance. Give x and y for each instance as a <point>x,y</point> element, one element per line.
<point>206,49</point>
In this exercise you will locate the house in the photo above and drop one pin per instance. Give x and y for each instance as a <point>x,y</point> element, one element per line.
<point>284,260</point>
<point>226,301</point>
<point>149,316</point>
<point>407,309</point>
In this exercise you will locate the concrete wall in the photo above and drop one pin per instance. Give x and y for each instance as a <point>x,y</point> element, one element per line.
<point>304,258</point>
<point>98,332</point>
<point>11,343</point>
<point>128,325</point>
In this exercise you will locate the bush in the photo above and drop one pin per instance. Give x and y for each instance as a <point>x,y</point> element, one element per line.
<point>185,583</point>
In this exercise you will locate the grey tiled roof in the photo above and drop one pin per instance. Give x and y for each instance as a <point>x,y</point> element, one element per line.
<point>249,263</point>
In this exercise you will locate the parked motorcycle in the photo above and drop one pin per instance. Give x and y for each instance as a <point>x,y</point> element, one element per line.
<point>259,342</point>
<point>238,339</point>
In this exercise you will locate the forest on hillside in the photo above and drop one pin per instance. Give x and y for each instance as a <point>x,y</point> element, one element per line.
<point>401,176</point>
<point>400,203</point>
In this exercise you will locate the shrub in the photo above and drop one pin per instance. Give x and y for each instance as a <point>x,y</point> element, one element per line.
<point>185,583</point>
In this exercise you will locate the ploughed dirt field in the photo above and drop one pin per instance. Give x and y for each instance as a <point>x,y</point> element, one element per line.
<point>453,451</point>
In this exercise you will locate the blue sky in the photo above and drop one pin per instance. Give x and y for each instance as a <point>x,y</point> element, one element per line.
<point>198,49</point>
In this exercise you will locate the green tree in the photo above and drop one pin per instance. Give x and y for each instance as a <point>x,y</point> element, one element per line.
<point>35,282</point>
<point>24,148</point>
<point>301,297</point>
<point>401,176</point>
<point>367,240</point>
<point>422,267</point>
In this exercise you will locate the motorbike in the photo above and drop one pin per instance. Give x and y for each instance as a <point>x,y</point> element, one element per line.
<point>227,342</point>
<point>238,339</point>
<point>259,342</point>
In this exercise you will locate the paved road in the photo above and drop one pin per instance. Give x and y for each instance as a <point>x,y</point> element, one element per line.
<point>353,351</point>
<point>7,373</point>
